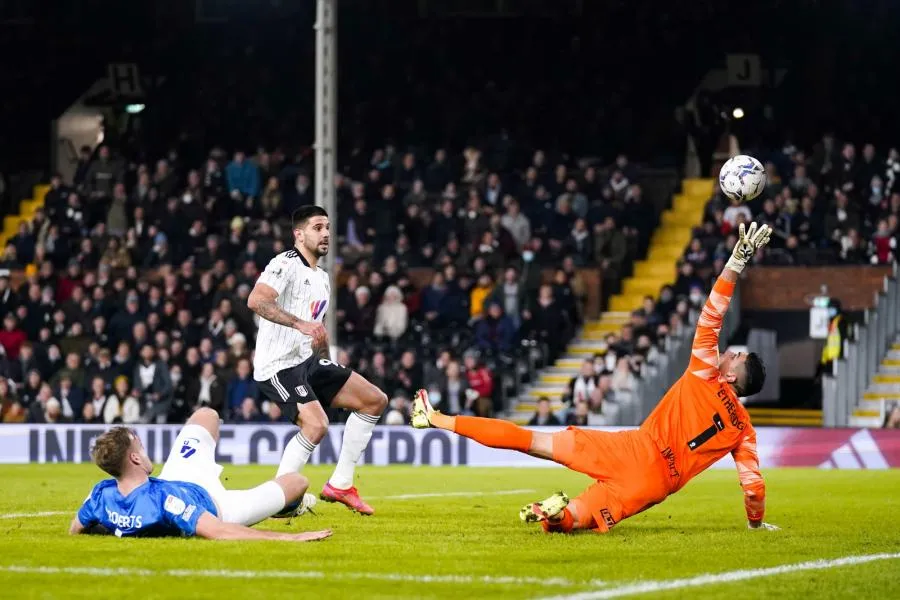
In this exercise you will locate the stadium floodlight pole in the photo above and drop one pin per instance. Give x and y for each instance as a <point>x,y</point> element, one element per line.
<point>326,137</point>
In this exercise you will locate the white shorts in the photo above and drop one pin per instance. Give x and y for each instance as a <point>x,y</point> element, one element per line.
<point>193,459</point>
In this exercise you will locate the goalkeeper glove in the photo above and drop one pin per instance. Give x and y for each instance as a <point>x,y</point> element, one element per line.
<point>749,241</point>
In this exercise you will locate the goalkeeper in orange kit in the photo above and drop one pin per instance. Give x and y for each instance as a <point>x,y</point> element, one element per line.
<point>697,422</point>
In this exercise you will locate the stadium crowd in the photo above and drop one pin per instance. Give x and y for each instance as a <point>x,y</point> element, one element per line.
<point>833,205</point>
<point>132,302</point>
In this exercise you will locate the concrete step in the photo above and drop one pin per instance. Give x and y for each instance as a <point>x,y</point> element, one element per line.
<point>865,422</point>
<point>604,327</point>
<point>887,379</point>
<point>569,362</point>
<point>785,412</point>
<point>553,378</point>
<point>601,335</point>
<point>786,422</point>
<point>529,406</point>
<point>866,412</point>
<point>586,348</point>
<point>878,396</point>
<point>699,186</point>
<point>671,254</point>
<point>548,391</point>
<point>645,286</point>
<point>785,416</point>
<point>625,302</point>
<point>661,270</point>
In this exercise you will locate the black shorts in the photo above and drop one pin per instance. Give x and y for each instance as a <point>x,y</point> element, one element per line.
<point>313,380</point>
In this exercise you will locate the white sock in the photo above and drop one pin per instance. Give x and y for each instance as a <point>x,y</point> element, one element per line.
<point>247,507</point>
<point>357,433</point>
<point>296,454</point>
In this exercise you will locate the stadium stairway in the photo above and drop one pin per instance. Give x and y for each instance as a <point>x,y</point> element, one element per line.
<point>666,246</point>
<point>27,208</point>
<point>885,386</point>
<point>785,417</point>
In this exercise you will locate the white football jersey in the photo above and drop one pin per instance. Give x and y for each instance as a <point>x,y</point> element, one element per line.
<point>302,291</point>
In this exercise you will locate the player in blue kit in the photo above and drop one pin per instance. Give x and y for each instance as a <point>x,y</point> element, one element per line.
<point>188,498</point>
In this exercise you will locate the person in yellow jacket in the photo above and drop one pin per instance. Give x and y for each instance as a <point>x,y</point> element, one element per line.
<point>479,294</point>
<point>837,332</point>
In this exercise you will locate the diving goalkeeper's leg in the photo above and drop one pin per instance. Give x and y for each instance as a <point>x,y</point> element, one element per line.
<point>494,433</point>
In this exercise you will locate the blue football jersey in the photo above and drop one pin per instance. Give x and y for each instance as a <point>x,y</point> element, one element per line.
<point>156,508</point>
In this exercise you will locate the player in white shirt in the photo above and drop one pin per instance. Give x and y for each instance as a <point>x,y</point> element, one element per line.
<point>292,362</point>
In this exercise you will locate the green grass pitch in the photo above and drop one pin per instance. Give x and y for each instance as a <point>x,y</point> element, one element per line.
<point>465,540</point>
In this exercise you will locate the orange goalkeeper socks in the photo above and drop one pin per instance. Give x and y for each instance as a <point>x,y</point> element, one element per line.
<point>494,433</point>
<point>564,525</point>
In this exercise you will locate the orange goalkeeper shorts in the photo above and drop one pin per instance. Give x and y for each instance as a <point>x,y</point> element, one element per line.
<point>631,473</point>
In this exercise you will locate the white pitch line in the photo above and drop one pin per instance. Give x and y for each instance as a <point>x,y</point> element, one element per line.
<point>451,494</point>
<point>229,574</point>
<point>648,587</point>
<point>48,513</point>
<point>54,513</point>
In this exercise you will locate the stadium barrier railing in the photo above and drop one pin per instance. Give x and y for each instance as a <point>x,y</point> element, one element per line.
<point>862,356</point>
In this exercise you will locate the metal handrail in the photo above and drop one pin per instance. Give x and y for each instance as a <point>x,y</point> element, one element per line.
<point>843,389</point>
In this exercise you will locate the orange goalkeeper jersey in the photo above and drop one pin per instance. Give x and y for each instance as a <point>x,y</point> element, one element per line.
<point>700,419</point>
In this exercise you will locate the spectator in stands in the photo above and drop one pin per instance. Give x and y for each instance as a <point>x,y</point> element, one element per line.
<point>455,396</point>
<point>495,333</point>
<point>392,316</point>
<point>153,384</point>
<point>481,381</point>
<point>71,398</point>
<point>623,378</point>
<point>409,376</point>
<point>516,223</point>
<point>609,253</point>
<point>510,295</point>
<point>544,414</point>
<point>121,406</point>
<point>478,295</point>
<point>582,386</point>
<point>578,416</point>
<point>11,408</point>
<point>545,320</point>
<point>12,338</point>
<point>247,411</point>
<point>207,390</point>
<point>398,411</point>
<point>735,213</point>
<point>242,177</point>
<point>240,388</point>
<point>46,408</point>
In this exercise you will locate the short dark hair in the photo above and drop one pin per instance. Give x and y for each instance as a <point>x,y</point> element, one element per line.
<point>305,213</point>
<point>754,376</point>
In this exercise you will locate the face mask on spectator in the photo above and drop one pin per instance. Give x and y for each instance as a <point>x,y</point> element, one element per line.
<point>528,256</point>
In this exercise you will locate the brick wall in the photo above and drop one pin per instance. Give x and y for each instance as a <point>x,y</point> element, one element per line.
<point>791,288</point>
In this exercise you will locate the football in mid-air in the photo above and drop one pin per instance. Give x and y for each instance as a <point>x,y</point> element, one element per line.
<point>742,178</point>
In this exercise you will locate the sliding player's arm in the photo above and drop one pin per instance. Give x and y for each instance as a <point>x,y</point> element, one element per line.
<point>705,350</point>
<point>85,520</point>
<point>75,527</point>
<point>746,460</point>
<point>213,528</point>
<point>263,300</point>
